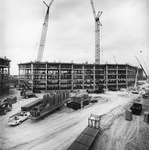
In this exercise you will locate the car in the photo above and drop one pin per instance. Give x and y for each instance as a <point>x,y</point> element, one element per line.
<point>18,118</point>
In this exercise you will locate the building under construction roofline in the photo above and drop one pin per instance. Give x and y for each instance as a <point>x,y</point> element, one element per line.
<point>71,76</point>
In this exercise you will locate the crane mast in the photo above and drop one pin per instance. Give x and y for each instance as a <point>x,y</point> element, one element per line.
<point>44,33</point>
<point>97,33</point>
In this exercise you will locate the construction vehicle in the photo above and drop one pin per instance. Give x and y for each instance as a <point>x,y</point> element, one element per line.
<point>27,94</point>
<point>50,102</point>
<point>26,90</point>
<point>5,106</point>
<point>18,118</point>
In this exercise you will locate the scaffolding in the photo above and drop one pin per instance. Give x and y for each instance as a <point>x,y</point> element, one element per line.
<point>4,75</point>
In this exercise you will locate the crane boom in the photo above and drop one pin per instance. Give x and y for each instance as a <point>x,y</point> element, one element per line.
<point>44,33</point>
<point>93,8</point>
<point>142,67</point>
<point>97,33</point>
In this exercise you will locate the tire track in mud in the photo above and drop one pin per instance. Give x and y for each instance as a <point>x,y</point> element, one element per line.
<point>43,138</point>
<point>58,127</point>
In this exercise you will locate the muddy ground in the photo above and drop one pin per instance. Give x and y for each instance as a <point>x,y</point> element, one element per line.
<point>58,130</point>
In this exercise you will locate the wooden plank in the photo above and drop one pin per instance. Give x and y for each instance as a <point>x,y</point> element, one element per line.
<point>91,131</point>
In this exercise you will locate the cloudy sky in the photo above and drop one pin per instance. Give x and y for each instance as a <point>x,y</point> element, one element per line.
<point>70,36</point>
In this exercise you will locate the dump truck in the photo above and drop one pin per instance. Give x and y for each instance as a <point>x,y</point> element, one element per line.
<point>5,106</point>
<point>50,102</point>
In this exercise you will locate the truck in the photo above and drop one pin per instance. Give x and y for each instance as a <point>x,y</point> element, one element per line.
<point>18,118</point>
<point>50,102</point>
<point>27,94</point>
<point>5,106</point>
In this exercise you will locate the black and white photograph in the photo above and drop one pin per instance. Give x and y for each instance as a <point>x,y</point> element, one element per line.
<point>74,75</point>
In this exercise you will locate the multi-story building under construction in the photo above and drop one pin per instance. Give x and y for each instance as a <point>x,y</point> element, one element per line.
<point>59,76</point>
<point>4,75</point>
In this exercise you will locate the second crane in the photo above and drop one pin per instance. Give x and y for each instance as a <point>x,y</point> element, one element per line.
<point>44,33</point>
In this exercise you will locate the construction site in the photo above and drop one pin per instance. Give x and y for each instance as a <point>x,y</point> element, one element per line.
<point>74,106</point>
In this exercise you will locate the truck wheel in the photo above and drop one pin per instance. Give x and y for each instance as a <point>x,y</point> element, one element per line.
<point>5,111</point>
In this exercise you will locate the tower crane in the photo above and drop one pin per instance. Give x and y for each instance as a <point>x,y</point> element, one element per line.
<point>97,33</point>
<point>44,33</point>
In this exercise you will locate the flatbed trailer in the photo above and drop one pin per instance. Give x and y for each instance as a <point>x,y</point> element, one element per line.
<point>85,140</point>
<point>47,110</point>
<point>49,103</point>
<point>87,137</point>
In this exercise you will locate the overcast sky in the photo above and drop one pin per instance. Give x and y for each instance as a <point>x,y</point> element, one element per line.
<point>71,31</point>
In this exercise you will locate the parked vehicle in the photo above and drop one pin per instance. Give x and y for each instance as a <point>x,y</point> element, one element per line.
<point>5,106</point>
<point>18,118</point>
<point>27,94</point>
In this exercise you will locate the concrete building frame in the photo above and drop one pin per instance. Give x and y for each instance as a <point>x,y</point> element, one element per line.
<point>71,76</point>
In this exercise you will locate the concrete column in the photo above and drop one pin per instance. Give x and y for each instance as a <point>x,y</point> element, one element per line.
<point>117,77</point>
<point>83,76</point>
<point>32,75</point>
<point>94,79</point>
<point>19,74</point>
<point>59,76</point>
<point>106,76</point>
<point>72,77</point>
<point>126,76</point>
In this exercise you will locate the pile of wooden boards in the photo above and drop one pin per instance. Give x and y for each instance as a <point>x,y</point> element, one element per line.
<point>79,100</point>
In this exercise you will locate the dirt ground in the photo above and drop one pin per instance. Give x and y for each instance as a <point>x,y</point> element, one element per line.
<point>58,130</point>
